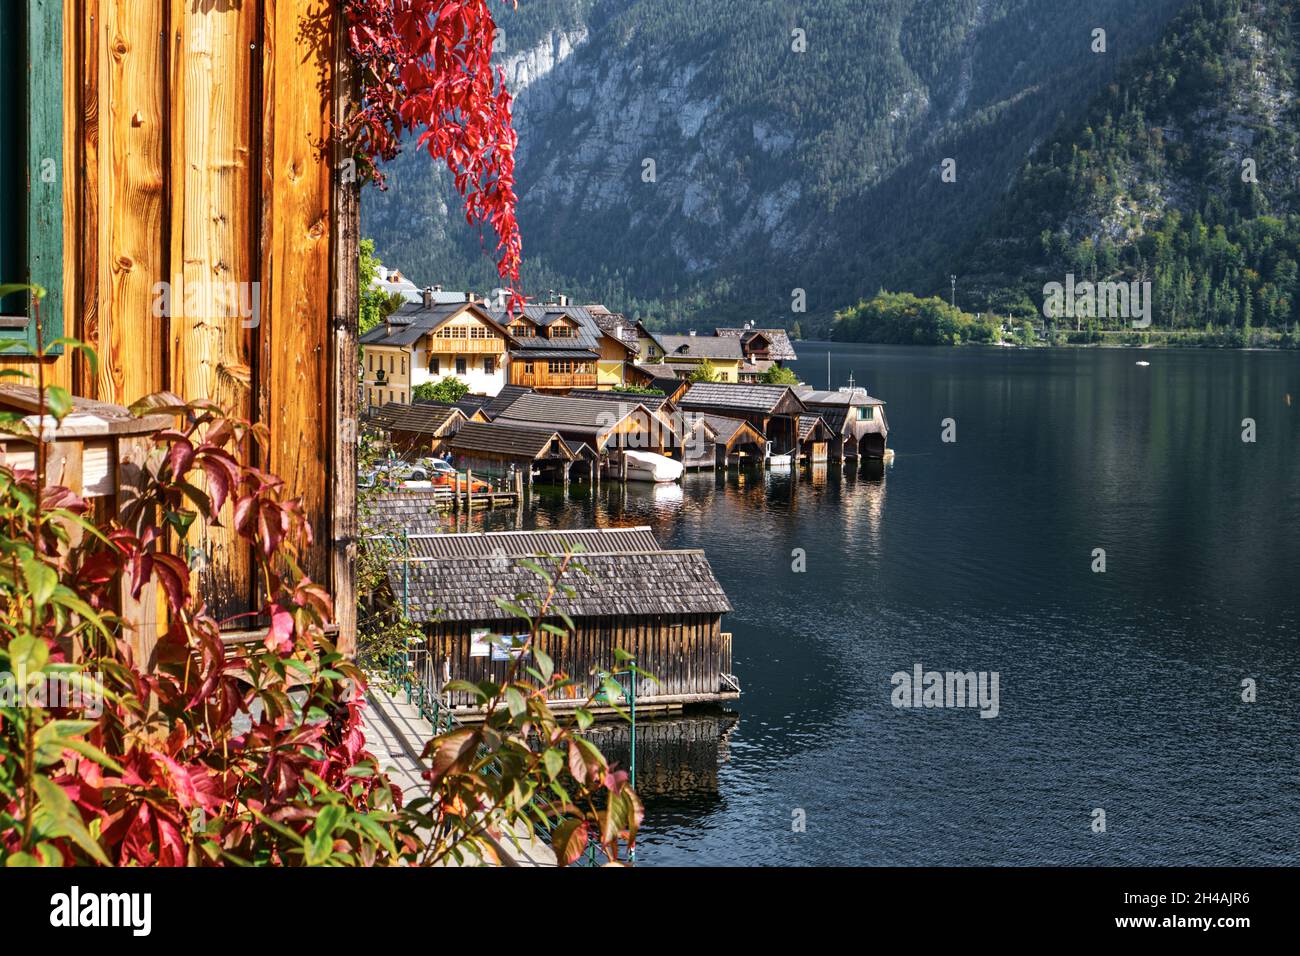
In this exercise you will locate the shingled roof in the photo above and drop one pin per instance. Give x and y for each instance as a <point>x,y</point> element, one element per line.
<point>700,347</point>
<point>523,544</point>
<point>508,441</point>
<point>622,583</point>
<point>707,396</point>
<point>563,412</point>
<point>652,402</point>
<point>412,511</point>
<point>840,397</point>
<point>413,321</point>
<point>779,346</point>
<point>504,399</point>
<point>420,419</point>
<point>808,423</point>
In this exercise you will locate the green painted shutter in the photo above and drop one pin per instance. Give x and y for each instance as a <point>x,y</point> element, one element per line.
<point>31,238</point>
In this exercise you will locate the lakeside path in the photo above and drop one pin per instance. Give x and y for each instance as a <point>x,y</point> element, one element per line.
<point>396,735</point>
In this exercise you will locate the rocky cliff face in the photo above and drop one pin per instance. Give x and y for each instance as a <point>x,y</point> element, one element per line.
<point>683,155</point>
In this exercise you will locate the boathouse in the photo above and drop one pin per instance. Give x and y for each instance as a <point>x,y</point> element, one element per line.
<point>663,607</point>
<point>497,448</point>
<point>773,410</point>
<point>736,441</point>
<point>602,424</point>
<point>814,438</point>
<point>856,420</point>
<point>420,429</point>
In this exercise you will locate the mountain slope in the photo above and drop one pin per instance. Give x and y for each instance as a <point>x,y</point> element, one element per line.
<point>1182,172</point>
<point>775,167</point>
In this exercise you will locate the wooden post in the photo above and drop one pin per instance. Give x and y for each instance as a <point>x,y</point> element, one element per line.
<point>469,490</point>
<point>139,613</point>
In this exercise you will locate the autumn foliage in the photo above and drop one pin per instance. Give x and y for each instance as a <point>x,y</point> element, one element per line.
<point>426,70</point>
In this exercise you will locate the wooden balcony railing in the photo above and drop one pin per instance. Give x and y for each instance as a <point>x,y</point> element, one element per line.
<point>543,379</point>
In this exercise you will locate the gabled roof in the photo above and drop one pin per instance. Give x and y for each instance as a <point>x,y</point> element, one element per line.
<point>554,351</point>
<point>622,583</point>
<point>768,399</point>
<point>586,335</point>
<point>779,346</point>
<point>699,347</point>
<point>421,419</point>
<point>413,321</point>
<point>808,424</point>
<point>728,428</point>
<point>510,441</point>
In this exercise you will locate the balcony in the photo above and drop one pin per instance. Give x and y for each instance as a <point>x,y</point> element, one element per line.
<point>439,345</point>
<point>541,378</point>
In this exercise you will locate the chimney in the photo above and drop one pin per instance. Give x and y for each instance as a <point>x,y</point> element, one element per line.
<point>563,300</point>
<point>437,287</point>
<point>428,297</point>
<point>471,297</point>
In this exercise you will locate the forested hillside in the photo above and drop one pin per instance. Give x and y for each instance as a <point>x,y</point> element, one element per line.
<point>792,148</point>
<point>1182,172</point>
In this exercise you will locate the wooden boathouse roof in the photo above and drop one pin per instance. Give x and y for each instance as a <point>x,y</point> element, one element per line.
<point>504,399</point>
<point>419,418</point>
<point>652,402</point>
<point>523,544</point>
<point>635,583</point>
<point>727,429</point>
<point>809,424</point>
<point>501,440</point>
<point>763,399</point>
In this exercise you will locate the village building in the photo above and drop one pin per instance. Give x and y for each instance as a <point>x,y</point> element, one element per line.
<point>773,410</point>
<point>856,420</point>
<point>618,346</point>
<point>512,452</point>
<point>428,340</point>
<point>662,607</point>
<point>658,376</point>
<point>554,347</point>
<point>685,353</point>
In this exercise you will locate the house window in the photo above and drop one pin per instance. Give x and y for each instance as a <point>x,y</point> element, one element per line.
<point>489,365</point>
<point>434,365</point>
<point>561,332</point>
<point>461,366</point>
<point>370,361</point>
<point>866,413</point>
<point>31,167</point>
<point>722,377</point>
<point>392,366</point>
<point>528,368</point>
<point>403,364</point>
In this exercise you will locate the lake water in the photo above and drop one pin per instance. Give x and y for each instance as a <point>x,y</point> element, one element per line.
<point>1118,691</point>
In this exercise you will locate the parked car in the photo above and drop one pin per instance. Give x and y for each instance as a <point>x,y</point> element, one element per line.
<point>443,475</point>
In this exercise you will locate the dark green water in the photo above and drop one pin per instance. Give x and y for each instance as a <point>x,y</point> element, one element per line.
<point>1119,691</point>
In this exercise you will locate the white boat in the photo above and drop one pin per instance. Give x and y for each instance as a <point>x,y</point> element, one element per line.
<point>1144,364</point>
<point>778,461</point>
<point>647,466</point>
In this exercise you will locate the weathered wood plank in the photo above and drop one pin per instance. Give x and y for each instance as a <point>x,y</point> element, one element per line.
<point>212,269</point>
<point>132,87</point>
<point>293,393</point>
